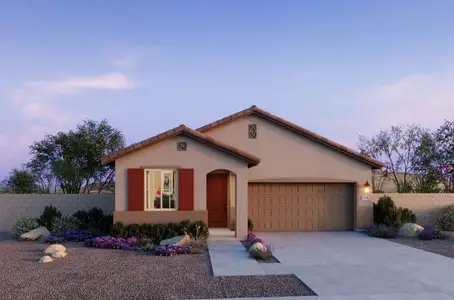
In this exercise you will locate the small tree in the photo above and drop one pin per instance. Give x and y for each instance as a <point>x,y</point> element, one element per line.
<point>397,148</point>
<point>20,182</point>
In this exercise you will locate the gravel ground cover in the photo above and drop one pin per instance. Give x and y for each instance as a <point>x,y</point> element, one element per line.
<point>442,247</point>
<point>89,273</point>
<point>272,260</point>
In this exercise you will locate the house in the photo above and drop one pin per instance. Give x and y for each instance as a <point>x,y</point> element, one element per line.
<point>249,164</point>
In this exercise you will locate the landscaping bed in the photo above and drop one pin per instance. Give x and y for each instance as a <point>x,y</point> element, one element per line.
<point>271,259</point>
<point>437,246</point>
<point>92,273</point>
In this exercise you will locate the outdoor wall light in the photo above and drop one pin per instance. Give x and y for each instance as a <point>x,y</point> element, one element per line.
<point>366,187</point>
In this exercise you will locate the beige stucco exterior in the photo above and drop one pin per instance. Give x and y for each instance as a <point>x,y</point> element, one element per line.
<point>286,155</point>
<point>200,157</point>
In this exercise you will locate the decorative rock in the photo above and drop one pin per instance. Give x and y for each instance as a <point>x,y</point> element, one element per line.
<point>35,234</point>
<point>180,240</point>
<point>55,247</point>
<point>257,246</point>
<point>45,259</point>
<point>59,254</point>
<point>410,230</point>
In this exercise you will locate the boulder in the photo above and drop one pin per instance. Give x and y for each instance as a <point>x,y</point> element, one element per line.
<point>45,259</point>
<point>410,230</point>
<point>257,246</point>
<point>180,240</point>
<point>58,254</point>
<point>35,234</point>
<point>55,247</point>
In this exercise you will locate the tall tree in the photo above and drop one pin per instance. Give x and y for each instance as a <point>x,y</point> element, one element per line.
<point>444,139</point>
<point>20,182</point>
<point>72,159</point>
<point>397,148</point>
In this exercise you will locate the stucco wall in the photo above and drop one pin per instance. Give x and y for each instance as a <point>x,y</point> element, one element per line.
<point>286,155</point>
<point>427,207</point>
<point>13,207</point>
<point>201,157</point>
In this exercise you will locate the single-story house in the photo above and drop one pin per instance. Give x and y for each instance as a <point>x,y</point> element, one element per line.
<point>249,164</point>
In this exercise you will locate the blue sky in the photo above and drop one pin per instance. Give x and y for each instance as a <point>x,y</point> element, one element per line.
<point>339,68</point>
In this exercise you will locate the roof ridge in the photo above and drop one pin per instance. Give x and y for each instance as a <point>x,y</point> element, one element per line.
<point>308,133</point>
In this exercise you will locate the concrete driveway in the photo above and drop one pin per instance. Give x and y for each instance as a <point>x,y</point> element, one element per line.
<point>353,266</point>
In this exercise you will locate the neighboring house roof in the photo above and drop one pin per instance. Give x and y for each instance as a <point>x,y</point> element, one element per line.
<point>252,160</point>
<point>254,110</point>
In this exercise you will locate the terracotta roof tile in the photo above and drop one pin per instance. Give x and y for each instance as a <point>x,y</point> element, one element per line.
<point>182,129</point>
<point>257,111</point>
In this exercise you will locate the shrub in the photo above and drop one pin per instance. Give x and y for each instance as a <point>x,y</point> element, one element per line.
<point>258,240</point>
<point>48,216</point>
<point>197,246</point>
<point>261,255</point>
<point>94,219</point>
<point>108,242</point>
<point>386,213</point>
<point>381,231</point>
<point>23,225</point>
<point>64,223</point>
<point>158,232</point>
<point>446,218</point>
<point>172,250</point>
<point>250,225</point>
<point>148,247</point>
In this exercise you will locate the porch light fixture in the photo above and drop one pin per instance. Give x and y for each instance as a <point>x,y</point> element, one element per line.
<point>366,187</point>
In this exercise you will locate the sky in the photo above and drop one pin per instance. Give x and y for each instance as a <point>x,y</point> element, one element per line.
<point>339,68</point>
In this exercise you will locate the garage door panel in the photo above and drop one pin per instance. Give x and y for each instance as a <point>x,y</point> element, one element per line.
<point>301,206</point>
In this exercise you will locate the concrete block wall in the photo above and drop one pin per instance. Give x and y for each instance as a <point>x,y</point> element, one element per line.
<point>427,207</point>
<point>15,206</point>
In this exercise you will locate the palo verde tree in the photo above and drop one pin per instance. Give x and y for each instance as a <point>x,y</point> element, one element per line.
<point>72,159</point>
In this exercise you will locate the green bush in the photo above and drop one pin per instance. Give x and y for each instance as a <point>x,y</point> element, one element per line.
<point>260,254</point>
<point>386,213</point>
<point>446,218</point>
<point>48,216</point>
<point>94,219</point>
<point>250,225</point>
<point>64,223</point>
<point>158,232</point>
<point>23,225</point>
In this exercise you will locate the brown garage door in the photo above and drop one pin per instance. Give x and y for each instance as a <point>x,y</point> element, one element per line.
<point>301,206</point>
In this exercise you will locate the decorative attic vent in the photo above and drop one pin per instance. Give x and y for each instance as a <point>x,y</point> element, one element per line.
<point>252,131</point>
<point>181,146</point>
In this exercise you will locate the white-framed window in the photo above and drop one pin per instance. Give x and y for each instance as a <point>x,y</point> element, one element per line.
<point>160,189</point>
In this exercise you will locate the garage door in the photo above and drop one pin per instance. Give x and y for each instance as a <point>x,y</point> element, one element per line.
<point>301,206</point>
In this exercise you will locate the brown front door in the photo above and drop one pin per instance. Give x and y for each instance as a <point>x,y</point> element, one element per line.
<point>217,200</point>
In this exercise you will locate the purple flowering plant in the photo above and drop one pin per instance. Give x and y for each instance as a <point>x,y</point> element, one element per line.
<point>52,239</point>
<point>171,250</point>
<point>107,242</point>
<point>251,236</point>
<point>78,236</point>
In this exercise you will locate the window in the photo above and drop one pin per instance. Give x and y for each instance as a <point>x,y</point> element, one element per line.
<point>160,190</point>
<point>252,131</point>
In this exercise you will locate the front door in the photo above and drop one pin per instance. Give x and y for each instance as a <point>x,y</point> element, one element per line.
<point>217,200</point>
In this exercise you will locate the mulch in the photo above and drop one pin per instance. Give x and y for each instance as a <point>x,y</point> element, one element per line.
<point>441,247</point>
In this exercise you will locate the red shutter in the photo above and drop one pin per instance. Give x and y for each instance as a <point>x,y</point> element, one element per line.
<point>185,189</point>
<point>136,190</point>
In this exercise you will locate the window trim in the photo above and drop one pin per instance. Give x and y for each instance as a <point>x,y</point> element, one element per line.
<point>147,190</point>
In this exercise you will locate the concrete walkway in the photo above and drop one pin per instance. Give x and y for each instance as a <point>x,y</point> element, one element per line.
<point>345,265</point>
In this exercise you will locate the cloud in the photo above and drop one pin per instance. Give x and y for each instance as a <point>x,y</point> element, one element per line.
<point>40,111</point>
<point>109,81</point>
<point>425,99</point>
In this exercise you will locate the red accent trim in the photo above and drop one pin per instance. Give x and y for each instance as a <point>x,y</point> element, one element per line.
<point>185,189</point>
<point>136,190</point>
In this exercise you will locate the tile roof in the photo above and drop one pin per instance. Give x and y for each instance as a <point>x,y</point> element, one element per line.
<point>307,133</point>
<point>182,129</point>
